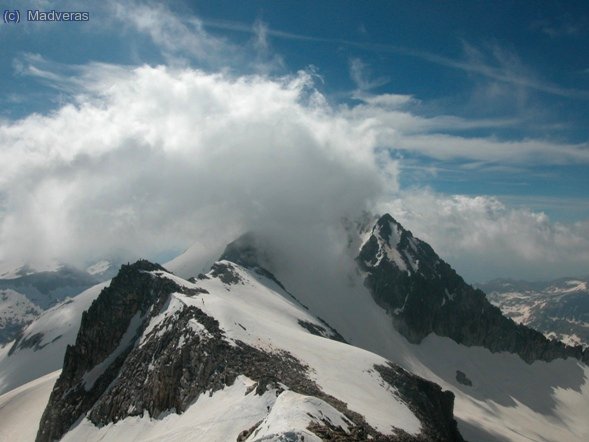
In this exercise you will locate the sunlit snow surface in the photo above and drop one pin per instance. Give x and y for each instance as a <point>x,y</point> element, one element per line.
<point>21,409</point>
<point>509,400</point>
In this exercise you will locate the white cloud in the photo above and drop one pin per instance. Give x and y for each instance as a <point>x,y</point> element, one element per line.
<point>483,238</point>
<point>266,59</point>
<point>490,149</point>
<point>179,38</point>
<point>441,137</point>
<point>144,160</point>
<point>360,74</point>
<point>151,158</point>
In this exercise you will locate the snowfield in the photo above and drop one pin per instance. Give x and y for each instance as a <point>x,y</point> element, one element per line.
<point>21,409</point>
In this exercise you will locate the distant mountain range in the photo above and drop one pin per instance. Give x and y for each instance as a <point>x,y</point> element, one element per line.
<point>559,309</point>
<point>26,291</point>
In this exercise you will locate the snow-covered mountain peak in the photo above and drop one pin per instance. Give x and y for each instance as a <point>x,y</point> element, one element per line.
<point>250,250</point>
<point>392,244</point>
<point>16,311</point>
<point>244,251</point>
<point>569,286</point>
<point>43,286</point>
<point>11,270</point>
<point>389,230</point>
<point>424,295</point>
<point>99,267</point>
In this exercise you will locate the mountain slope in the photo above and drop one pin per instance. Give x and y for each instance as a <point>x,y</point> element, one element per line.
<point>153,344</point>
<point>40,347</point>
<point>21,409</point>
<point>47,288</point>
<point>559,309</point>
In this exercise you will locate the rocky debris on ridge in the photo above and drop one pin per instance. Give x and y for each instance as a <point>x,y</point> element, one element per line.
<point>226,273</point>
<point>325,332</point>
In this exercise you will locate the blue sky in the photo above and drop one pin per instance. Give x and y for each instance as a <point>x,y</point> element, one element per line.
<point>490,99</point>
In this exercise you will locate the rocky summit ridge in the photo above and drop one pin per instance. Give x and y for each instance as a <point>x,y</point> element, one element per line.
<point>423,294</point>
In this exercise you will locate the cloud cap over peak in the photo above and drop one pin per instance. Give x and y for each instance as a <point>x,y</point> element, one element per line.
<point>148,158</point>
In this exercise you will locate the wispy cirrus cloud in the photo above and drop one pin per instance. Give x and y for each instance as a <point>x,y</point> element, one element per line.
<point>362,77</point>
<point>498,64</point>
<point>177,37</point>
<point>562,26</point>
<point>490,149</point>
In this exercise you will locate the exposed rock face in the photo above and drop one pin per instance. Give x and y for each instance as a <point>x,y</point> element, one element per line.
<point>424,295</point>
<point>326,332</point>
<point>183,357</point>
<point>244,251</point>
<point>225,273</point>
<point>130,359</point>
<point>133,293</point>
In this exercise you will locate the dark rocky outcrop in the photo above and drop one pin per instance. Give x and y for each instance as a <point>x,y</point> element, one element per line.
<point>226,273</point>
<point>463,379</point>
<point>325,332</point>
<point>133,293</point>
<point>245,251</point>
<point>424,295</point>
<point>432,406</point>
